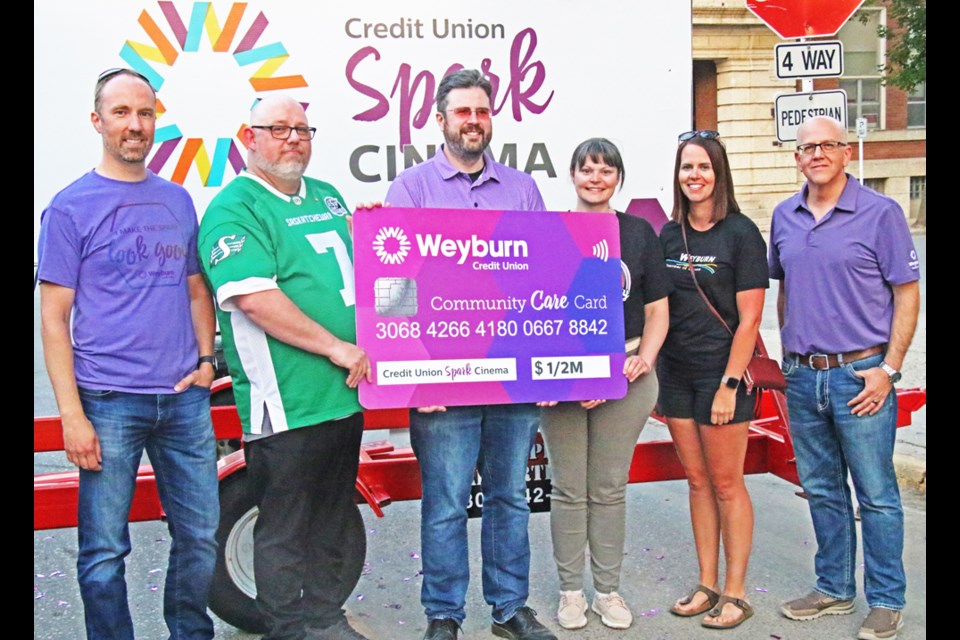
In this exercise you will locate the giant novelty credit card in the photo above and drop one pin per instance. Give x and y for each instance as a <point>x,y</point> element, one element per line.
<point>466,307</point>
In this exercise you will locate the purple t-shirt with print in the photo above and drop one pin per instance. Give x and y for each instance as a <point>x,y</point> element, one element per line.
<point>126,248</point>
<point>839,270</point>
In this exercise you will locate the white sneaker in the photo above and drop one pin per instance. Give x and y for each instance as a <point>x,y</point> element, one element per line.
<point>572,611</point>
<point>612,609</point>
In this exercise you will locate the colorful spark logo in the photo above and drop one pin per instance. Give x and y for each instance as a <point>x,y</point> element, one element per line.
<point>164,52</point>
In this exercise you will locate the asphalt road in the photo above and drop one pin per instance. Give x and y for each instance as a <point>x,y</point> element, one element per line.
<point>659,563</point>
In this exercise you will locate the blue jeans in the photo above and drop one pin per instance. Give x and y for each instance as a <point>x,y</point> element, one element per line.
<point>829,441</point>
<point>176,431</point>
<point>496,440</point>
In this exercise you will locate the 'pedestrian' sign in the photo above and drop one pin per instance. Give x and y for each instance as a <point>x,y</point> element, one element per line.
<point>793,108</point>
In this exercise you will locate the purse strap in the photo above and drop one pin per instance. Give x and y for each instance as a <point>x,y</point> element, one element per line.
<point>693,274</point>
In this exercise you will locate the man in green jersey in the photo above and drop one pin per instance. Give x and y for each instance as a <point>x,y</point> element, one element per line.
<point>276,249</point>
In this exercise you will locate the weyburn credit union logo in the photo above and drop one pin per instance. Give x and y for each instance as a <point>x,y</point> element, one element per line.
<point>228,38</point>
<point>391,245</point>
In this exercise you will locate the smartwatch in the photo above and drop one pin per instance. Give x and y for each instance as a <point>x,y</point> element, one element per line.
<point>210,359</point>
<point>730,382</point>
<point>892,373</point>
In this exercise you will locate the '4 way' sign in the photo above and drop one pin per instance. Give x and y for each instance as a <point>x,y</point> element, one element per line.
<point>820,59</point>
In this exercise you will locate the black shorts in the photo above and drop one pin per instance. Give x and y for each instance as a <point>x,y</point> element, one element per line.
<point>687,392</point>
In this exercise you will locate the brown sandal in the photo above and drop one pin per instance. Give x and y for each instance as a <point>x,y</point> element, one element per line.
<point>712,598</point>
<point>743,605</point>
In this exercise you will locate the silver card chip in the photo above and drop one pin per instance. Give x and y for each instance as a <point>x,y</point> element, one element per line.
<point>396,297</point>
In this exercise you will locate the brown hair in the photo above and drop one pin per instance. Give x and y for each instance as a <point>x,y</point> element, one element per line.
<point>723,198</point>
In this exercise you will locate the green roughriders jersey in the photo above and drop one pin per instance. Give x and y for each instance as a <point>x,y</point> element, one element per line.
<point>254,238</point>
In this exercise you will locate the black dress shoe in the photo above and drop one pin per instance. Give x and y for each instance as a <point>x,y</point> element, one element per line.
<point>442,629</point>
<point>523,626</point>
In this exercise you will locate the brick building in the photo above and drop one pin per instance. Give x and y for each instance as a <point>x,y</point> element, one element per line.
<point>735,83</point>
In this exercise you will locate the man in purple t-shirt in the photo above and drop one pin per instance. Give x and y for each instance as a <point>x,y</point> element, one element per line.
<point>448,441</point>
<point>848,305</point>
<point>127,327</point>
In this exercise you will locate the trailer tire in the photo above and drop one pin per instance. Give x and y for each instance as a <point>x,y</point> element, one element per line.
<point>233,591</point>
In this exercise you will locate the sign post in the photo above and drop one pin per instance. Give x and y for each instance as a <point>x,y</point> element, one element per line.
<point>861,134</point>
<point>804,19</point>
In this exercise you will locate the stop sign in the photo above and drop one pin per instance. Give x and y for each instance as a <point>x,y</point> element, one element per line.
<point>804,18</point>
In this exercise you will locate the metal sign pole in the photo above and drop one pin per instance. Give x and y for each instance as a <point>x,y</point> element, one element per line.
<point>861,134</point>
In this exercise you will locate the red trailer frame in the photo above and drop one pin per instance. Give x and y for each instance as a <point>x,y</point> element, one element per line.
<point>389,473</point>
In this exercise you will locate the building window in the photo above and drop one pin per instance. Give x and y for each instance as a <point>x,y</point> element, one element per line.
<point>918,189</point>
<point>917,106</point>
<point>862,66</point>
<point>877,184</point>
<point>918,186</point>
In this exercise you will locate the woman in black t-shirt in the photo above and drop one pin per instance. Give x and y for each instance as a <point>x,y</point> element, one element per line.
<point>590,444</point>
<point>701,396</point>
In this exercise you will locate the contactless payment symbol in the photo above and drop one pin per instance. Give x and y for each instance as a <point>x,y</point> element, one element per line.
<point>601,250</point>
<point>391,245</point>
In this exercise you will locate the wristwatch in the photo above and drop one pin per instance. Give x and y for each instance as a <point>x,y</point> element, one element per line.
<point>730,382</point>
<point>891,372</point>
<point>210,359</point>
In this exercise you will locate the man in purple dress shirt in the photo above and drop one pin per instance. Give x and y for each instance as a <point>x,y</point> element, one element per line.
<point>496,439</point>
<point>848,304</point>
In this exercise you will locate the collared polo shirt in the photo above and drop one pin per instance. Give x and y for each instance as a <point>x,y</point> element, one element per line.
<point>437,184</point>
<point>839,271</point>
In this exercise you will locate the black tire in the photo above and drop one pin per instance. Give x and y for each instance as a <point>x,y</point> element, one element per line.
<point>233,591</point>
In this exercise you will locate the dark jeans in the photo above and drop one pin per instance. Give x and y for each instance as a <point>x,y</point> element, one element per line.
<point>176,431</point>
<point>303,482</point>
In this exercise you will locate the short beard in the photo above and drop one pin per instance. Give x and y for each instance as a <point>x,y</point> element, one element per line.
<point>454,142</point>
<point>129,156</point>
<point>285,170</point>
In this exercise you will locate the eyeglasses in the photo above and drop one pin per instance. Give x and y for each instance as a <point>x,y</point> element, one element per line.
<point>282,132</point>
<point>828,147</point>
<point>464,112</point>
<point>707,134</point>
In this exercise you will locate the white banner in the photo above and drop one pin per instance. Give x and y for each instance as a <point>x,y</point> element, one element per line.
<point>368,72</point>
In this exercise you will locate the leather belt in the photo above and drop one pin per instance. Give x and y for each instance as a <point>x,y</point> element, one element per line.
<point>830,360</point>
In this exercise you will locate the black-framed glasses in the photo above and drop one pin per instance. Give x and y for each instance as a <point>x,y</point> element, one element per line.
<point>483,113</point>
<point>827,147</point>
<point>282,132</point>
<point>707,134</point>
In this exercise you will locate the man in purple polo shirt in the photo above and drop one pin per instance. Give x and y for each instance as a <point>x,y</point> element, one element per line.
<point>127,326</point>
<point>496,439</point>
<point>848,304</point>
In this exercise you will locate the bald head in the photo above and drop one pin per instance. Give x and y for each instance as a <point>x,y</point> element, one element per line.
<point>265,110</point>
<point>831,127</point>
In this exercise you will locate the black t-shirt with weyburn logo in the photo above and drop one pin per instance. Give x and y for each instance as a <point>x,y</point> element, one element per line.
<point>729,257</point>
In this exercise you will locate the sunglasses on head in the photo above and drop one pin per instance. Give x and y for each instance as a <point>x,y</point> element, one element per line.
<point>109,73</point>
<point>706,133</point>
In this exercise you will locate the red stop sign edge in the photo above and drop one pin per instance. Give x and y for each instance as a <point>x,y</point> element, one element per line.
<point>804,18</point>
